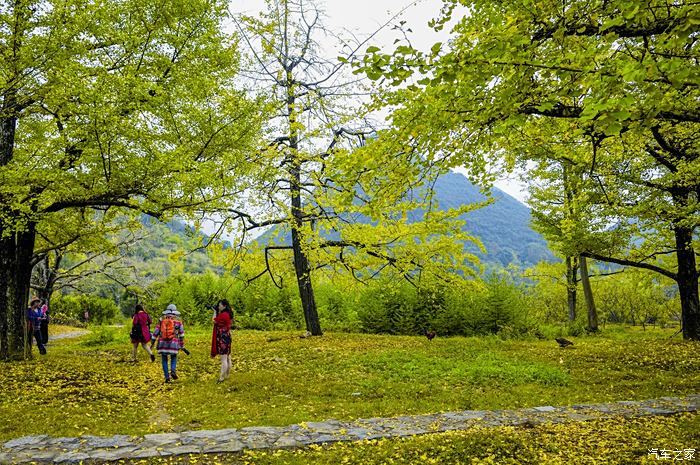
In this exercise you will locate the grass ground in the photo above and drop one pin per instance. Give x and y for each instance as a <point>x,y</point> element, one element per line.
<point>88,386</point>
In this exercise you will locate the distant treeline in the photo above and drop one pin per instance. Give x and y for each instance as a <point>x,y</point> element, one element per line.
<point>503,303</point>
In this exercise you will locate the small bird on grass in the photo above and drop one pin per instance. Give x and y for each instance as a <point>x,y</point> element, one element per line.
<point>430,335</point>
<point>563,342</point>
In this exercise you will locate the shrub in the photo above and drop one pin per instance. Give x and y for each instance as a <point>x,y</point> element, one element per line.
<point>337,309</point>
<point>98,337</point>
<point>73,306</point>
<point>388,308</point>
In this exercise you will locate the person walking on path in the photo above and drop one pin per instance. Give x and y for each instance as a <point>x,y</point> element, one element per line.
<point>141,332</point>
<point>221,337</point>
<point>170,334</point>
<point>34,318</point>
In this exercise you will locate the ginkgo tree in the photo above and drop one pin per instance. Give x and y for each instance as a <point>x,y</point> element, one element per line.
<point>328,179</point>
<point>560,191</point>
<point>625,73</point>
<point>111,107</point>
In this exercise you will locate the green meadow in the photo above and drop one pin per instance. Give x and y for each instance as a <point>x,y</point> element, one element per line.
<point>87,385</point>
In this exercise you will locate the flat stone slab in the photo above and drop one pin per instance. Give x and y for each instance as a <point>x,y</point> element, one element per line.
<point>26,441</point>
<point>47,449</point>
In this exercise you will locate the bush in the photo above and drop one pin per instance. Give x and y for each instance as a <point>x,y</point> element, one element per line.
<point>73,307</point>
<point>391,308</point>
<point>98,337</point>
<point>192,294</point>
<point>499,307</point>
<point>336,309</point>
<point>260,305</point>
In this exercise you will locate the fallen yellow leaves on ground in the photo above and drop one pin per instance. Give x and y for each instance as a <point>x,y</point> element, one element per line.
<point>88,386</point>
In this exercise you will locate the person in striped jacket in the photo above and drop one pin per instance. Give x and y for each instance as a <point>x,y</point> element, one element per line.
<point>170,337</point>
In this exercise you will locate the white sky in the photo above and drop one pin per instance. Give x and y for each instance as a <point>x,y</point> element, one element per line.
<point>363,17</point>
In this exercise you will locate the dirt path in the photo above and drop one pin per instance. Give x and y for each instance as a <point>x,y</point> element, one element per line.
<point>76,333</point>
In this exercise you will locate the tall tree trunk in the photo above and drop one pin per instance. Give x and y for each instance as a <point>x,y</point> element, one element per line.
<point>5,273</point>
<point>301,261</point>
<point>571,285</point>
<point>16,250</point>
<point>24,249</point>
<point>15,257</point>
<point>588,295</point>
<point>687,283</point>
<point>8,125</point>
<point>571,262</point>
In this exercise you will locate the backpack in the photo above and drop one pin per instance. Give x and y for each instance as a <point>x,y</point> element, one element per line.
<point>136,334</point>
<point>167,329</point>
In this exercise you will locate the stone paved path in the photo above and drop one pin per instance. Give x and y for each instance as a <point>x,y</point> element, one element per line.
<point>47,449</point>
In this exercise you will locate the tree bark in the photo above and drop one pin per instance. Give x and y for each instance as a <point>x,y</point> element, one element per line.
<point>301,261</point>
<point>588,295</point>
<point>5,273</point>
<point>8,125</point>
<point>571,285</point>
<point>24,249</point>
<point>687,280</point>
<point>15,260</point>
<point>306,290</point>
<point>46,276</point>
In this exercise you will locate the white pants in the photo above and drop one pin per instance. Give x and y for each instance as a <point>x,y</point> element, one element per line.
<point>225,366</point>
<point>136,348</point>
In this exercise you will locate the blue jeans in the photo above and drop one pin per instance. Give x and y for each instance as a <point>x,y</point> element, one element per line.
<point>39,343</point>
<point>173,364</point>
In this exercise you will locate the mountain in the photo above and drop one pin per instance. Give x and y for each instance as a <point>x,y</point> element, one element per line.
<point>503,226</point>
<point>163,242</point>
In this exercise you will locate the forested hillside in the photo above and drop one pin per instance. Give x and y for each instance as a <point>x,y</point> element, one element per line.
<point>168,245</point>
<point>502,226</point>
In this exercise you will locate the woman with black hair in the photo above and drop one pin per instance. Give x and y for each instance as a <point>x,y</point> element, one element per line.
<point>141,332</point>
<point>221,337</point>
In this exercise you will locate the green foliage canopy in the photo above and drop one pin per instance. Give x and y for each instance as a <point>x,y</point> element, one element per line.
<point>128,104</point>
<point>111,106</point>
<point>620,78</point>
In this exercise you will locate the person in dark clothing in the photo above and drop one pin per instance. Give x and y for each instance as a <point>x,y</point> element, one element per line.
<point>44,321</point>
<point>34,317</point>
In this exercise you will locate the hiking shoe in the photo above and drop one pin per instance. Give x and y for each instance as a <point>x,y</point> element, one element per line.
<point>153,358</point>
<point>173,375</point>
<point>167,380</point>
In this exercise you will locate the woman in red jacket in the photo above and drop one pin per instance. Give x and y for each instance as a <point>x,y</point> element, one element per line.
<point>221,337</point>
<point>141,332</point>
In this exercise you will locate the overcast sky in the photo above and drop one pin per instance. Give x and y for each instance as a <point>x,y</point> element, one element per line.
<point>363,17</point>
